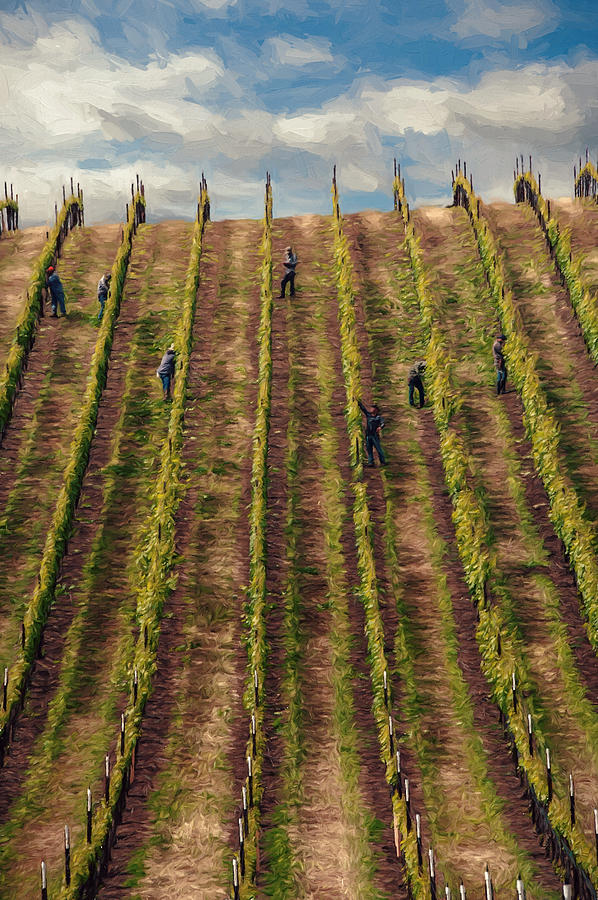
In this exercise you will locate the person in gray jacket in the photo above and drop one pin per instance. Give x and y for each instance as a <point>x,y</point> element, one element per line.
<point>166,371</point>
<point>56,292</point>
<point>414,380</point>
<point>103,288</point>
<point>289,263</point>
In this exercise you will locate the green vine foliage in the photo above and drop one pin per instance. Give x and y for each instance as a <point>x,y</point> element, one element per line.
<point>469,515</point>
<point>583,301</point>
<point>39,606</point>
<point>256,603</point>
<point>155,562</point>
<point>374,628</point>
<point>26,326</point>
<point>567,512</point>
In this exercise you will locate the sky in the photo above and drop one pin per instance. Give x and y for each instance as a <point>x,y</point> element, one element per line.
<point>103,89</point>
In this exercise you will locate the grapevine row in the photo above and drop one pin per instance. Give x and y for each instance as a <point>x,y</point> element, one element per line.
<point>585,305</point>
<point>382,701</point>
<point>502,660</point>
<point>55,547</point>
<point>10,381</point>
<point>155,562</point>
<point>244,866</point>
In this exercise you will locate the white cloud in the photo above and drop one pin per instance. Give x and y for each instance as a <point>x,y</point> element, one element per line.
<point>286,50</point>
<point>502,22</point>
<point>71,108</point>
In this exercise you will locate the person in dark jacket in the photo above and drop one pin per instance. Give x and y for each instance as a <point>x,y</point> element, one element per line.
<point>290,263</point>
<point>166,371</point>
<point>373,430</point>
<point>56,292</point>
<point>103,288</point>
<point>414,380</point>
<point>499,363</point>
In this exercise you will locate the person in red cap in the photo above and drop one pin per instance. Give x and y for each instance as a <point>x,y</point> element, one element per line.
<point>56,292</point>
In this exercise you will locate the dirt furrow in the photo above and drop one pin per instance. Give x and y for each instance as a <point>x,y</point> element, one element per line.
<point>581,217</point>
<point>81,683</point>
<point>535,597</point>
<point>18,252</point>
<point>566,370</point>
<point>175,835</point>
<point>37,440</point>
<point>451,751</point>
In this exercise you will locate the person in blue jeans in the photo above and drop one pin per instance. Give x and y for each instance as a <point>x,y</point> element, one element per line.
<point>499,363</point>
<point>166,371</point>
<point>414,380</point>
<point>56,292</point>
<point>103,288</point>
<point>373,429</point>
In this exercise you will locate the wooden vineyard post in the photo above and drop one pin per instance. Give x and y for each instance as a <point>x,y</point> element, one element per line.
<point>235,879</point>
<point>135,686</point>
<point>245,810</point>
<point>241,848</point>
<point>44,882</point>
<point>399,782</point>
<point>514,691</point>
<point>462,894</point>
<point>489,891</point>
<point>572,799</point>
<point>5,689</point>
<point>447,892</point>
<point>250,780</point>
<point>396,832</point>
<point>596,832</point>
<point>122,734</point>
<point>567,892</point>
<point>432,869</point>
<point>107,780</point>
<point>253,735</point>
<point>385,680</point>
<point>390,736</point>
<point>530,734</point>
<point>67,855</point>
<point>407,805</point>
<point>549,775</point>
<point>89,815</point>
<point>520,888</point>
<point>255,688</point>
<point>418,838</point>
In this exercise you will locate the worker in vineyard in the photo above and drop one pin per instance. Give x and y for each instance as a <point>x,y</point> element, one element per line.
<point>103,288</point>
<point>289,263</point>
<point>166,371</point>
<point>56,292</point>
<point>373,431</point>
<point>414,380</point>
<point>499,363</point>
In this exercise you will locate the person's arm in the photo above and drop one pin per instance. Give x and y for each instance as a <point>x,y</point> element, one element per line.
<point>363,408</point>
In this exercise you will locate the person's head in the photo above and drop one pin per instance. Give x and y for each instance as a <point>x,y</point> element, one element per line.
<point>289,249</point>
<point>50,270</point>
<point>375,409</point>
<point>171,348</point>
<point>501,338</point>
<point>108,276</point>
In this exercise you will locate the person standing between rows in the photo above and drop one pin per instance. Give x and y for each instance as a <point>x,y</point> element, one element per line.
<point>499,363</point>
<point>56,292</point>
<point>103,288</point>
<point>166,371</point>
<point>414,380</point>
<point>373,430</point>
<point>289,263</point>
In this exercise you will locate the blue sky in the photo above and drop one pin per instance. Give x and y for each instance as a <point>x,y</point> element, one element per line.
<point>170,88</point>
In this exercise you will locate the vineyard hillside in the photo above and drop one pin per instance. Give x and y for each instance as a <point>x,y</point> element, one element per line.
<point>242,662</point>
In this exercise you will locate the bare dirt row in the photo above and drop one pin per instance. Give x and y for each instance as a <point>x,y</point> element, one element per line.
<point>78,688</point>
